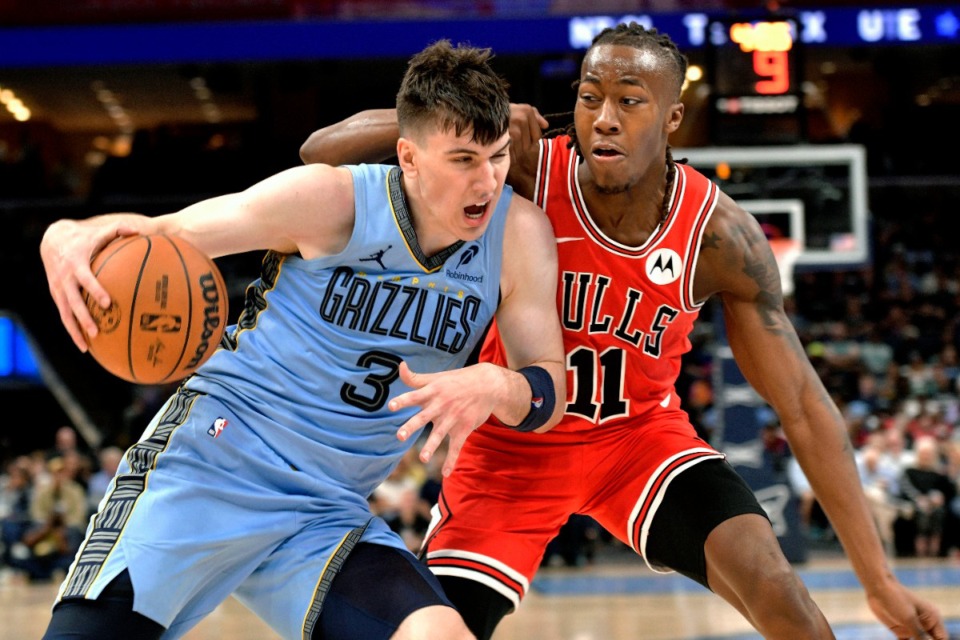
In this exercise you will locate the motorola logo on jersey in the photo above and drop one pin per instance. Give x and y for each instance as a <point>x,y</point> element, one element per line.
<point>663,266</point>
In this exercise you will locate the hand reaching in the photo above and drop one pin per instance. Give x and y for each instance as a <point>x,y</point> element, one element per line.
<point>526,128</point>
<point>456,402</point>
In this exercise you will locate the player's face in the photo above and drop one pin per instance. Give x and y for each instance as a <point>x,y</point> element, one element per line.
<point>456,185</point>
<point>626,108</point>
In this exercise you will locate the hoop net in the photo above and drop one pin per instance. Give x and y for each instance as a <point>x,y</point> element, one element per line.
<point>786,251</point>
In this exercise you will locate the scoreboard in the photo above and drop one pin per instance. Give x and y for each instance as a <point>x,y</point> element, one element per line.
<point>756,77</point>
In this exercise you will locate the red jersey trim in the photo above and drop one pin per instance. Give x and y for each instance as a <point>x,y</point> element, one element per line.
<point>439,514</point>
<point>483,569</point>
<point>543,174</point>
<point>638,526</point>
<point>580,207</point>
<point>688,185</point>
<point>707,206</point>
<point>466,564</point>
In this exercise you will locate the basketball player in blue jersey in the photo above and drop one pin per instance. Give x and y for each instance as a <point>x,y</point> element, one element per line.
<point>377,286</point>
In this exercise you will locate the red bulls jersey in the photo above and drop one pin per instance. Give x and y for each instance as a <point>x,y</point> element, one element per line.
<point>626,312</point>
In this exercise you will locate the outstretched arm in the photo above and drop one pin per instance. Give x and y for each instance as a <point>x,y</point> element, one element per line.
<point>737,263</point>
<point>367,136</point>
<point>278,213</point>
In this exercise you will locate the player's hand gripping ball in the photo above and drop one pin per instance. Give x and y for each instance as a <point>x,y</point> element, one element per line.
<point>168,308</point>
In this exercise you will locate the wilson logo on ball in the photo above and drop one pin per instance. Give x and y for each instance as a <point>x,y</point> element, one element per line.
<point>211,317</point>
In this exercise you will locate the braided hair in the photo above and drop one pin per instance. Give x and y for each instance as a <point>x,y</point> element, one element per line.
<point>634,35</point>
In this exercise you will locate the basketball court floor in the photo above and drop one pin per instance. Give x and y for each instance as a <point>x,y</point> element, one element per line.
<point>618,600</point>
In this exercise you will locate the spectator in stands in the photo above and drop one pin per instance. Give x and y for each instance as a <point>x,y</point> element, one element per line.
<point>875,354</point>
<point>109,458</point>
<point>855,415</point>
<point>871,394</point>
<point>77,466</point>
<point>949,362</point>
<point>66,446</point>
<point>398,498</point>
<point>408,518</point>
<point>899,332</point>
<point>880,480</point>
<point>929,318</point>
<point>433,479</point>
<point>951,529</point>
<point>813,521</point>
<point>895,448</point>
<point>65,439</point>
<point>16,489</point>
<point>58,512</point>
<point>840,349</point>
<point>406,477</point>
<point>927,487</point>
<point>575,545</point>
<point>919,376</point>
<point>929,421</point>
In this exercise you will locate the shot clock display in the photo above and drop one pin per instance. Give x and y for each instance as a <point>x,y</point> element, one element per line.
<point>755,74</point>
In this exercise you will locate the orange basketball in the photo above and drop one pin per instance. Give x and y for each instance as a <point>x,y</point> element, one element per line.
<point>167,312</point>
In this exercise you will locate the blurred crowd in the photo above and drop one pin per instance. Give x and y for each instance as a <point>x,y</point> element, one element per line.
<point>884,339</point>
<point>46,499</point>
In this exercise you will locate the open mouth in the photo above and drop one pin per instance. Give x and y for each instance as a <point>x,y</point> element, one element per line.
<point>476,211</point>
<point>606,153</point>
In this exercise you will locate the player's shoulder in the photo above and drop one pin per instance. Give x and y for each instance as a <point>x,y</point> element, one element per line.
<point>528,238</point>
<point>732,240</point>
<point>732,223</point>
<point>312,178</point>
<point>525,216</point>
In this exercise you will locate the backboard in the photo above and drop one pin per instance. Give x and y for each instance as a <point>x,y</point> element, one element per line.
<point>813,194</point>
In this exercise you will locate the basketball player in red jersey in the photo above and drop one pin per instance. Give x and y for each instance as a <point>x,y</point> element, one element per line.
<point>643,242</point>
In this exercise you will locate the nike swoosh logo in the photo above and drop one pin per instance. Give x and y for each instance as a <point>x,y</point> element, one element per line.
<point>562,240</point>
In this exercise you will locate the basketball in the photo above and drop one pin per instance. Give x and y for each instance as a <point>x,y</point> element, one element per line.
<point>168,308</point>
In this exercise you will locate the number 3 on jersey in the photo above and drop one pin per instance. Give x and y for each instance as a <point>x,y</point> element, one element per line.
<point>378,382</point>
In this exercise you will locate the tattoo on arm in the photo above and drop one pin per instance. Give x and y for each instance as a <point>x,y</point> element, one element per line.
<point>710,241</point>
<point>761,266</point>
<point>831,407</point>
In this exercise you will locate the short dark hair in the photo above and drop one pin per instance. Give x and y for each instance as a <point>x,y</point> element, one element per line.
<point>454,88</point>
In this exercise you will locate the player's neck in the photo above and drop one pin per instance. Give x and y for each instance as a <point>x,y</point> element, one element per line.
<point>629,215</point>
<point>430,235</point>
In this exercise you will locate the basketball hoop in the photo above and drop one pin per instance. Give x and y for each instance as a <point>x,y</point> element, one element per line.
<point>786,251</point>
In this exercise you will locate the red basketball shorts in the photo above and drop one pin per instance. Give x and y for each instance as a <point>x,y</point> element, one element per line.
<point>511,492</point>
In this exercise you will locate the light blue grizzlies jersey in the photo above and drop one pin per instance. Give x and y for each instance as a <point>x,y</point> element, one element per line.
<point>253,478</point>
<point>314,357</point>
